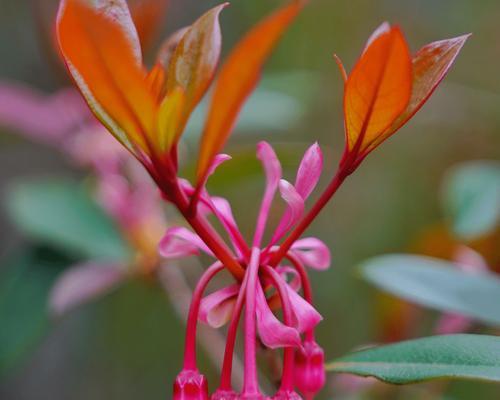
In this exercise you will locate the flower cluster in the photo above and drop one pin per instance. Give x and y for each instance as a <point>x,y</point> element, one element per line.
<point>147,112</point>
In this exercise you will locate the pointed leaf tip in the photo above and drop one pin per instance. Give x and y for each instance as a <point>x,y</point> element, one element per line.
<point>196,56</point>
<point>430,65</point>
<point>378,89</point>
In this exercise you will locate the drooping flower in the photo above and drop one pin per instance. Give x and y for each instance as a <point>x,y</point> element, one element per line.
<point>223,305</point>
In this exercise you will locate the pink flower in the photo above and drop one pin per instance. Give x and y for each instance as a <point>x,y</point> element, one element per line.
<point>263,286</point>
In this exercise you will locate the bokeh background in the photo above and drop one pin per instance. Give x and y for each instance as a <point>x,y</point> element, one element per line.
<point>128,344</point>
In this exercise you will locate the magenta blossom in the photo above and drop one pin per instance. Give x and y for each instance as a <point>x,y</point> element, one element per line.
<point>122,188</point>
<point>264,287</point>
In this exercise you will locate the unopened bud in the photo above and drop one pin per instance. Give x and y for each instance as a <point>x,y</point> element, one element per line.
<point>190,385</point>
<point>309,369</point>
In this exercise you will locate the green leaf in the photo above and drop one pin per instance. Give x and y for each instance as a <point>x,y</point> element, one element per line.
<point>472,198</point>
<point>61,213</point>
<point>25,281</point>
<point>448,356</point>
<point>437,284</point>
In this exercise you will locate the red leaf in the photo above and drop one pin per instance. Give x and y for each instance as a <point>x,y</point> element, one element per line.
<point>378,89</point>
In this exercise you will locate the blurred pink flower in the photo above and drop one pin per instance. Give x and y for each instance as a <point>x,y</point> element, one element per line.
<point>36,115</point>
<point>123,189</point>
<point>469,261</point>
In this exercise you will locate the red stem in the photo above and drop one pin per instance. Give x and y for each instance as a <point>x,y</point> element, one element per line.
<point>288,356</point>
<point>194,309</point>
<point>306,286</point>
<point>250,383</point>
<point>227,366</point>
<point>204,230</point>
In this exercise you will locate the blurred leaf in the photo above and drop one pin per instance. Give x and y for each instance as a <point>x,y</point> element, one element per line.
<point>25,281</point>
<point>62,213</point>
<point>437,284</point>
<point>449,356</point>
<point>279,103</point>
<point>472,198</point>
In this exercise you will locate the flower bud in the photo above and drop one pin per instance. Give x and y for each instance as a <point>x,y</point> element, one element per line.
<point>220,394</point>
<point>309,368</point>
<point>190,385</point>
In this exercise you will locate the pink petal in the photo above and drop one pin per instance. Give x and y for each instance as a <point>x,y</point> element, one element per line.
<point>273,333</point>
<point>293,213</point>
<point>469,260</point>
<point>217,308</point>
<point>272,168</point>
<point>309,171</point>
<point>222,209</point>
<point>48,118</point>
<point>452,323</point>
<point>90,145</point>
<point>294,282</point>
<point>312,252</point>
<point>305,314</point>
<point>218,160</point>
<point>113,195</point>
<point>180,242</point>
<point>83,283</point>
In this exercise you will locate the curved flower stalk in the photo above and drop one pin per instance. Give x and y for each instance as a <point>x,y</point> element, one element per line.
<point>147,111</point>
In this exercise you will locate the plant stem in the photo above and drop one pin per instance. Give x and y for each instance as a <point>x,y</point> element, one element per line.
<point>192,321</point>
<point>250,384</point>
<point>227,366</point>
<point>213,341</point>
<point>211,238</point>
<point>306,286</point>
<point>288,357</point>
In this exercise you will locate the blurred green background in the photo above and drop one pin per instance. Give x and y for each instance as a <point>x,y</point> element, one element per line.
<point>128,345</point>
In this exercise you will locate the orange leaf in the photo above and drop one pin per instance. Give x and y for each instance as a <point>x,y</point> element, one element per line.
<point>147,16</point>
<point>430,66</point>
<point>238,78</point>
<point>195,59</point>
<point>378,89</point>
<point>101,50</point>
